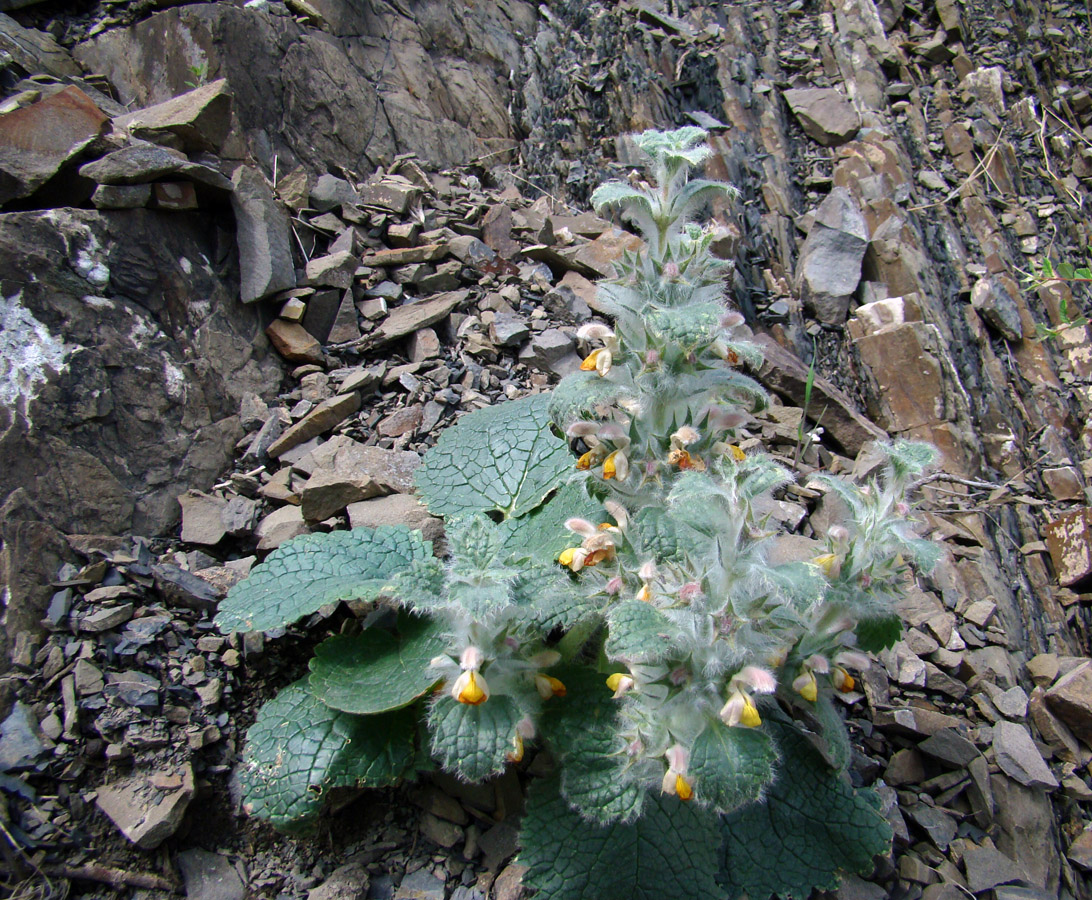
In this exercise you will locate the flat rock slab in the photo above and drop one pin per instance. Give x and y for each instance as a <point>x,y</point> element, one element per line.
<point>200,118</point>
<point>1019,758</point>
<point>1069,540</point>
<point>263,234</point>
<point>37,140</point>
<point>1070,699</point>
<point>988,867</point>
<point>147,815</point>
<point>826,116</point>
<point>356,473</point>
<point>324,417</point>
<point>405,320</point>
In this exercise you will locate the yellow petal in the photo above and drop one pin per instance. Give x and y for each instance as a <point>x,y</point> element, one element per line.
<point>609,468</point>
<point>589,361</point>
<point>470,688</point>
<point>750,717</point>
<point>614,680</point>
<point>828,563</point>
<point>737,454</point>
<point>566,557</point>
<point>548,686</point>
<point>806,686</point>
<point>585,461</point>
<point>683,788</point>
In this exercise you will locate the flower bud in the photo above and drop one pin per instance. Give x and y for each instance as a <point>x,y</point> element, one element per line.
<point>647,572</point>
<point>618,512</point>
<point>613,586</point>
<point>690,592</point>
<point>594,331</point>
<point>548,686</point>
<point>470,659</point>
<point>759,680</point>
<point>685,436</point>
<point>582,428</point>
<point>580,526</point>
<point>544,659</point>
<point>671,270</point>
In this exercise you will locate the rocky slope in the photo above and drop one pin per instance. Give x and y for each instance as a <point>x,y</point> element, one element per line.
<point>255,256</point>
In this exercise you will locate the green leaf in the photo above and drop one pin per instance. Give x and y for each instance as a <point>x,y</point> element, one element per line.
<point>578,396</point>
<point>1066,270</point>
<point>583,736</point>
<point>503,458</point>
<point>810,826</point>
<point>731,766</point>
<point>670,853</point>
<point>298,749</point>
<point>910,457</point>
<point>638,633</point>
<point>473,742</point>
<point>307,572</point>
<point>832,739</point>
<point>659,533</point>
<point>377,671</point>
<point>541,534</point>
<point>874,635</point>
<point>1083,273</point>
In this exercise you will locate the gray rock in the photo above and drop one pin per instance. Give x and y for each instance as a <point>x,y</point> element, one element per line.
<point>198,119</point>
<point>263,235</point>
<point>988,867</point>
<point>329,192</point>
<point>1019,758</point>
<point>420,885</point>
<point>546,348</point>
<point>829,268</point>
<point>992,297</point>
<point>121,196</point>
<point>202,521</point>
<point>508,330</point>
<point>826,116</point>
<point>147,815</point>
<point>347,882</point>
<point>209,876</point>
<point>105,619</point>
<point>353,473</point>
<point>950,747</point>
<point>334,270</point>
<point>324,417</point>
<point>940,826</point>
<point>20,744</point>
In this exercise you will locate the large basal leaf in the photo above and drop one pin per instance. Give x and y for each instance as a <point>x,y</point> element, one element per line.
<point>298,749</point>
<point>541,534</point>
<point>731,766</point>
<point>503,458</point>
<point>831,739</point>
<point>581,733</point>
<point>307,572</point>
<point>810,826</point>
<point>377,671</point>
<point>473,742</point>
<point>639,633</point>
<point>670,853</point>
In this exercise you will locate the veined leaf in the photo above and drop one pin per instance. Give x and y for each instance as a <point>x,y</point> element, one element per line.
<point>582,735</point>
<point>541,534</point>
<point>307,572</point>
<point>810,825</point>
<point>503,459</point>
<point>473,742</point>
<point>669,853</point>
<point>638,633</point>
<point>377,671</point>
<point>731,766</point>
<point>299,748</point>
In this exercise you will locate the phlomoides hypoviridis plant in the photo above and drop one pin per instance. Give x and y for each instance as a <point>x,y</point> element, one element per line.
<point>617,594</point>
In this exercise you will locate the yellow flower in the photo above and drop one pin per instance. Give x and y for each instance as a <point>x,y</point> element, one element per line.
<point>829,564</point>
<point>470,688</point>
<point>737,454</point>
<point>645,594</point>
<point>566,557</point>
<point>683,788</point>
<point>616,466</point>
<point>806,686</point>
<point>587,460</point>
<point>749,717</point>
<point>598,360</point>
<point>548,686</point>
<point>843,681</point>
<point>619,682</point>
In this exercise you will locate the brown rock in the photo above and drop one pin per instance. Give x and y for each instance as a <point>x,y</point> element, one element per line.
<point>906,364</point>
<point>322,418</point>
<point>279,526</point>
<point>1043,669</point>
<point>509,883</point>
<point>347,882</point>
<point>202,521</point>
<point>826,116</point>
<point>199,119</point>
<point>400,256</point>
<point>392,192</point>
<point>1071,700</point>
<point>355,473</point>
<point>146,815</point>
<point>1080,851</point>
<point>294,342</point>
<point>335,270</point>
<point>497,230</point>
<point>1019,758</point>
<point>400,422</point>
<point>346,327</point>
<point>37,140</point>
<point>395,509</point>
<point>599,255</point>
<point>1069,540</point>
<point>784,373</point>
<point>905,767</point>
<point>1052,729</point>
